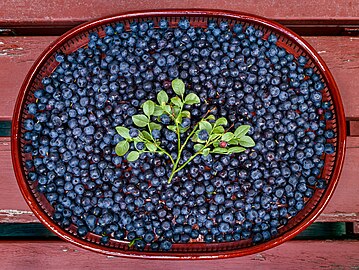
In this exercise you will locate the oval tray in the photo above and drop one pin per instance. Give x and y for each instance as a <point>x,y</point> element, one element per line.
<point>78,37</point>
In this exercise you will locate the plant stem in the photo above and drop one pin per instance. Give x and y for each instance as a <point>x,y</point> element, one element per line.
<point>175,169</point>
<point>158,146</point>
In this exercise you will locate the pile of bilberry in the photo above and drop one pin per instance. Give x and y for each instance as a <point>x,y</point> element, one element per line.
<point>233,73</point>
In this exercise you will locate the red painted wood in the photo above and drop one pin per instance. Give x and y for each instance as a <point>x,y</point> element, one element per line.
<point>356,228</point>
<point>17,54</point>
<point>58,11</point>
<point>344,205</point>
<point>291,255</point>
<point>354,128</point>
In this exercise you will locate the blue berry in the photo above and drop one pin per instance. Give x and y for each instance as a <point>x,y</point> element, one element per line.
<point>203,135</point>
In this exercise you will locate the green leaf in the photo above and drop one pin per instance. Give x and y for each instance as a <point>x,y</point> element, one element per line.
<point>172,128</point>
<point>241,131</point>
<point>236,149</point>
<point>198,147</point>
<point>122,148</point>
<point>219,150</point>
<point>205,152</point>
<point>162,97</point>
<point>210,117</point>
<point>227,136</point>
<point>178,87</point>
<point>177,101</point>
<point>176,110</point>
<point>186,114</point>
<point>195,137</point>
<point>155,126</point>
<point>183,130</point>
<point>132,156</point>
<point>213,137</point>
<point>221,122</point>
<point>247,141</point>
<point>179,119</point>
<point>205,125</point>
<point>158,111</point>
<point>192,99</point>
<point>167,109</point>
<point>137,139</point>
<point>218,130</point>
<point>146,135</point>
<point>124,132</point>
<point>216,144</point>
<point>149,107</point>
<point>151,146</point>
<point>140,120</point>
<point>234,141</point>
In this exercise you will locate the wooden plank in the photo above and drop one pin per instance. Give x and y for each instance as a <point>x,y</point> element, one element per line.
<point>354,128</point>
<point>40,11</point>
<point>344,206</point>
<point>290,255</point>
<point>17,54</point>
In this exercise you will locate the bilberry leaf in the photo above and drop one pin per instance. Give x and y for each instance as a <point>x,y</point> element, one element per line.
<point>133,156</point>
<point>205,152</point>
<point>246,141</point>
<point>210,117</point>
<point>158,111</point>
<point>140,120</point>
<point>151,146</point>
<point>218,130</point>
<point>177,101</point>
<point>205,125</point>
<point>192,99</point>
<point>195,137</point>
<point>122,148</point>
<point>183,130</point>
<point>149,108</point>
<point>155,126</point>
<point>213,137</point>
<point>162,97</point>
<point>167,109</point>
<point>198,147</point>
<point>124,132</point>
<point>219,150</point>
<point>176,111</point>
<point>186,114</point>
<point>172,128</point>
<point>241,131</point>
<point>236,149</point>
<point>234,141</point>
<point>146,135</point>
<point>178,87</point>
<point>227,136</point>
<point>221,122</point>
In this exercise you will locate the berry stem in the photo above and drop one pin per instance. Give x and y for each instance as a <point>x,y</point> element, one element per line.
<point>157,145</point>
<point>175,169</point>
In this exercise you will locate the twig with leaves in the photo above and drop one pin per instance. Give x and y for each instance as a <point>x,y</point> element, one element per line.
<point>208,134</point>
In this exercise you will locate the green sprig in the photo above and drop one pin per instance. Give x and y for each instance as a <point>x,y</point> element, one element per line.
<point>219,141</point>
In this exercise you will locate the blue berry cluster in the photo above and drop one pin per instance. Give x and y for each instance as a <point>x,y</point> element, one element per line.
<point>237,74</point>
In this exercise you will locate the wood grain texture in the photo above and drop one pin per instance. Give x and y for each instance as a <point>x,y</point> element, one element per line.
<point>290,255</point>
<point>354,128</point>
<point>17,54</point>
<point>35,11</point>
<point>344,205</point>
